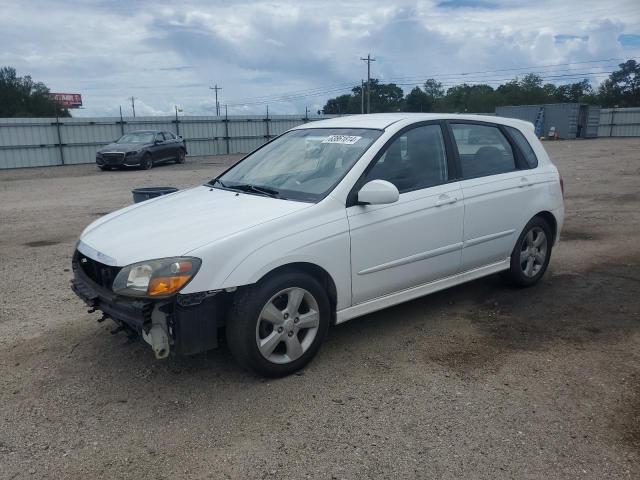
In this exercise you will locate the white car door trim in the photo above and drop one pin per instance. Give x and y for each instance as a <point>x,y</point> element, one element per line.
<point>418,291</point>
<point>413,258</point>
<point>487,238</point>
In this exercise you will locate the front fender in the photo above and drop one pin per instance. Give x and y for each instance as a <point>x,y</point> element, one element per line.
<point>320,237</point>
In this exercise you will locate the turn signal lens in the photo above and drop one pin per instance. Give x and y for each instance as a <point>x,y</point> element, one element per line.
<point>166,285</point>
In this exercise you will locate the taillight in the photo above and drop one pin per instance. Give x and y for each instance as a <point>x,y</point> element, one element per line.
<point>562,186</point>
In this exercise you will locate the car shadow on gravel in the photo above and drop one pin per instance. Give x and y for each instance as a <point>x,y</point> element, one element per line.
<point>474,327</point>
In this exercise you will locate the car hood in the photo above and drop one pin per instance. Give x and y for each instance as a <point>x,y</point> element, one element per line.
<point>122,147</point>
<point>178,223</point>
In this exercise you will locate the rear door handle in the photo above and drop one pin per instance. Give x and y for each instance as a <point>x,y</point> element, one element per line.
<point>525,182</point>
<point>445,200</point>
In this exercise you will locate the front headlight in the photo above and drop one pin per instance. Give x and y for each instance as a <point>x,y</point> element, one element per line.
<point>156,278</point>
<point>131,154</point>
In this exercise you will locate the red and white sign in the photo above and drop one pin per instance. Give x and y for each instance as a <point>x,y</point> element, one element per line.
<point>68,100</point>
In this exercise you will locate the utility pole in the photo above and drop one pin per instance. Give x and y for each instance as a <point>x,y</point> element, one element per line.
<point>368,60</point>
<point>216,88</point>
<point>267,124</point>
<point>121,121</point>
<point>362,96</point>
<point>226,128</point>
<point>133,106</point>
<point>177,121</point>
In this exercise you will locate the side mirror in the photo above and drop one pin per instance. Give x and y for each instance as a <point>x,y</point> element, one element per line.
<point>378,192</point>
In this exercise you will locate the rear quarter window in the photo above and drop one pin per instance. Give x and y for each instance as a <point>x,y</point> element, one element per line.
<point>524,146</point>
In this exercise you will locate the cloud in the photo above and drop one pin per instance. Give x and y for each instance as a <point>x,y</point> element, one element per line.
<point>167,53</point>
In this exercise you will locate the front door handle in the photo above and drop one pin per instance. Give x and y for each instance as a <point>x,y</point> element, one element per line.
<point>445,200</point>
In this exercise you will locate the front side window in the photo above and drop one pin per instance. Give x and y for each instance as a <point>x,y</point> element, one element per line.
<point>524,146</point>
<point>159,137</point>
<point>414,160</point>
<point>169,136</point>
<point>483,150</point>
<point>301,165</point>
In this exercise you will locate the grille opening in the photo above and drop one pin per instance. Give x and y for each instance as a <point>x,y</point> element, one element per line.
<point>102,274</point>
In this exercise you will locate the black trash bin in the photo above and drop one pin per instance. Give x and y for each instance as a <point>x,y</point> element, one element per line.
<point>142,194</point>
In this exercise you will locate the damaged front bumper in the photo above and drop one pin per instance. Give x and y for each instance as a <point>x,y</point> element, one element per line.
<point>181,324</point>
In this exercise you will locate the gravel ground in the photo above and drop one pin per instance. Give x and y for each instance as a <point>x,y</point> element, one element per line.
<point>480,381</point>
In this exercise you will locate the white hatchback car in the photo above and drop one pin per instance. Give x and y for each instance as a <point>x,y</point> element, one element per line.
<point>332,220</point>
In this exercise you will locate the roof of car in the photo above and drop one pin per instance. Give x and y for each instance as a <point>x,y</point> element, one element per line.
<point>383,120</point>
<point>146,131</point>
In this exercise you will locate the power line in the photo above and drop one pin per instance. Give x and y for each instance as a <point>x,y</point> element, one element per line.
<point>450,82</point>
<point>488,80</point>
<point>346,86</point>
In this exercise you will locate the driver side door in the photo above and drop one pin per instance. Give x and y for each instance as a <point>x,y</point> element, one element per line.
<point>417,239</point>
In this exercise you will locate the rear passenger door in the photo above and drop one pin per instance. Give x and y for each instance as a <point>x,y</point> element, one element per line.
<point>495,192</point>
<point>171,143</point>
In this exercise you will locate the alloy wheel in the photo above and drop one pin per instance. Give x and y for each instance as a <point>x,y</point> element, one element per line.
<point>287,325</point>
<point>533,253</point>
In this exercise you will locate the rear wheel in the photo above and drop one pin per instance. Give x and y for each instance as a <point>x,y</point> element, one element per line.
<point>277,326</point>
<point>531,255</point>
<point>181,156</point>
<point>147,162</point>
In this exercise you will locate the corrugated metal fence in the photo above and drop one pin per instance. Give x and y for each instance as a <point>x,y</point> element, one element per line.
<point>38,142</point>
<point>619,122</point>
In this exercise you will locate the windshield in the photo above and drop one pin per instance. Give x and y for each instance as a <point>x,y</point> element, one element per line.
<point>140,137</point>
<point>300,165</point>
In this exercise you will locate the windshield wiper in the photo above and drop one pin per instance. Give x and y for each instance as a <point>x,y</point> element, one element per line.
<point>246,187</point>
<point>219,182</point>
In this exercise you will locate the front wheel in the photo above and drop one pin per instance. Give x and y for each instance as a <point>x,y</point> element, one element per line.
<point>147,162</point>
<point>104,168</point>
<point>531,255</point>
<point>181,156</point>
<point>277,326</point>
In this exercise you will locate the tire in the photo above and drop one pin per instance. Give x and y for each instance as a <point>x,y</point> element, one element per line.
<point>181,156</point>
<point>531,254</point>
<point>104,168</point>
<point>260,313</point>
<point>147,162</point>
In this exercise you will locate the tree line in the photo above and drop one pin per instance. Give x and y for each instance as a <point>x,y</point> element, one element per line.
<point>621,89</point>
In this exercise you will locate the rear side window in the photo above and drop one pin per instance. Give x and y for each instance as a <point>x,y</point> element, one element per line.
<point>483,150</point>
<point>524,146</point>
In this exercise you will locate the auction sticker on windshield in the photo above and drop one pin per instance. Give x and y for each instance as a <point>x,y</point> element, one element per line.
<point>343,139</point>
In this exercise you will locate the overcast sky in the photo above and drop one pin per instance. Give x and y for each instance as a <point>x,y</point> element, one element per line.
<point>169,53</point>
